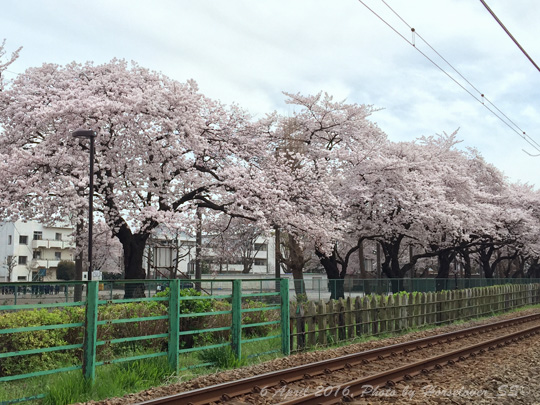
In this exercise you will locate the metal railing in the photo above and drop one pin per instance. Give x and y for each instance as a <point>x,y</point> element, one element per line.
<point>171,328</point>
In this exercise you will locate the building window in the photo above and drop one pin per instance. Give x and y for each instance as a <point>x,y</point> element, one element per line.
<point>58,236</point>
<point>10,239</point>
<point>38,235</point>
<point>23,239</point>
<point>58,255</point>
<point>21,278</point>
<point>37,254</point>
<point>260,247</point>
<point>22,260</point>
<point>259,262</point>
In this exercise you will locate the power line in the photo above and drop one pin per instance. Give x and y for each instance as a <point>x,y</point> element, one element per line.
<point>502,117</point>
<point>519,131</point>
<point>509,34</point>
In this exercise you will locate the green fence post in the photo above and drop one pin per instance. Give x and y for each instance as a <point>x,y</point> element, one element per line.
<point>285,320</point>
<point>89,359</point>
<point>236,331</point>
<point>15,295</point>
<point>174,325</point>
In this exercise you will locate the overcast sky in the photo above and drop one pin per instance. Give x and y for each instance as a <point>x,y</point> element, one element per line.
<point>249,52</point>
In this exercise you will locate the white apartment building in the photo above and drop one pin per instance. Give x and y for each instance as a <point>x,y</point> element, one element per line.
<point>31,251</point>
<point>166,255</point>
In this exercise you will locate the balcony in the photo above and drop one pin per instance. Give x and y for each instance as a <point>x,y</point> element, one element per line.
<point>44,263</point>
<point>52,244</point>
<point>40,243</point>
<point>56,244</point>
<point>52,263</point>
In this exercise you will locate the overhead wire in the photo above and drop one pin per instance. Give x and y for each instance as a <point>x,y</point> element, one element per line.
<point>521,132</point>
<point>509,34</point>
<point>506,120</point>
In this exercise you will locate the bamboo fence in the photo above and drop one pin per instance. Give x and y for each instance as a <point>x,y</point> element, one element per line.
<point>323,323</point>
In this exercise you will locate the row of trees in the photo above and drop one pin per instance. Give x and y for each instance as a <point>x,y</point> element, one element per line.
<point>325,179</point>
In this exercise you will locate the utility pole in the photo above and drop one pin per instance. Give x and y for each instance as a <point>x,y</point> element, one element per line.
<point>277,257</point>
<point>198,243</point>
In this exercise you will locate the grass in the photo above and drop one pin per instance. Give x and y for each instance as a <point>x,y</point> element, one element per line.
<point>115,380</point>
<point>111,381</point>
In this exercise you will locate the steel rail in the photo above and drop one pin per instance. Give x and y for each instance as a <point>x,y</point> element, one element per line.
<point>226,391</point>
<point>390,377</point>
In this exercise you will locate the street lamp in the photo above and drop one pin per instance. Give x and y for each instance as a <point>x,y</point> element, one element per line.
<point>87,133</point>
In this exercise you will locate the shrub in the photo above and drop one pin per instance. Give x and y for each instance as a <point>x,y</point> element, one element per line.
<point>190,307</point>
<point>258,317</point>
<point>19,341</point>
<point>131,329</point>
<point>218,321</point>
<point>65,271</point>
<point>223,320</point>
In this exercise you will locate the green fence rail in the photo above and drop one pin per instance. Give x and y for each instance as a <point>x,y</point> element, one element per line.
<point>174,321</point>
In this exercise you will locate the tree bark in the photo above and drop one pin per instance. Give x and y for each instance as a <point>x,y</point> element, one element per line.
<point>198,249</point>
<point>277,258</point>
<point>296,264</point>
<point>134,245</point>
<point>336,282</point>
<point>445,260</point>
<point>361,258</point>
<point>467,266</point>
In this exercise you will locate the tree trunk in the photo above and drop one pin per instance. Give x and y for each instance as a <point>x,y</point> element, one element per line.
<point>361,258</point>
<point>198,248</point>
<point>467,266</point>
<point>277,258</point>
<point>390,266</point>
<point>247,264</point>
<point>445,259</point>
<point>484,258</point>
<point>520,267</point>
<point>534,269</point>
<point>134,245</point>
<point>336,282</point>
<point>296,264</point>
<point>411,259</point>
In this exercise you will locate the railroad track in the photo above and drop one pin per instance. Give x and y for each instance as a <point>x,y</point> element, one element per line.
<point>225,392</point>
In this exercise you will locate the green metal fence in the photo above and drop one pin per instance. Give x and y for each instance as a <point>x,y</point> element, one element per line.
<point>176,320</point>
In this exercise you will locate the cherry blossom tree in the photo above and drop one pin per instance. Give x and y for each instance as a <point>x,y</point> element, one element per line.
<point>313,145</point>
<point>325,177</point>
<point>6,61</point>
<point>162,148</point>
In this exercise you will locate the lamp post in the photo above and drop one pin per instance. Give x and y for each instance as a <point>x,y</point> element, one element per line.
<point>87,133</point>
